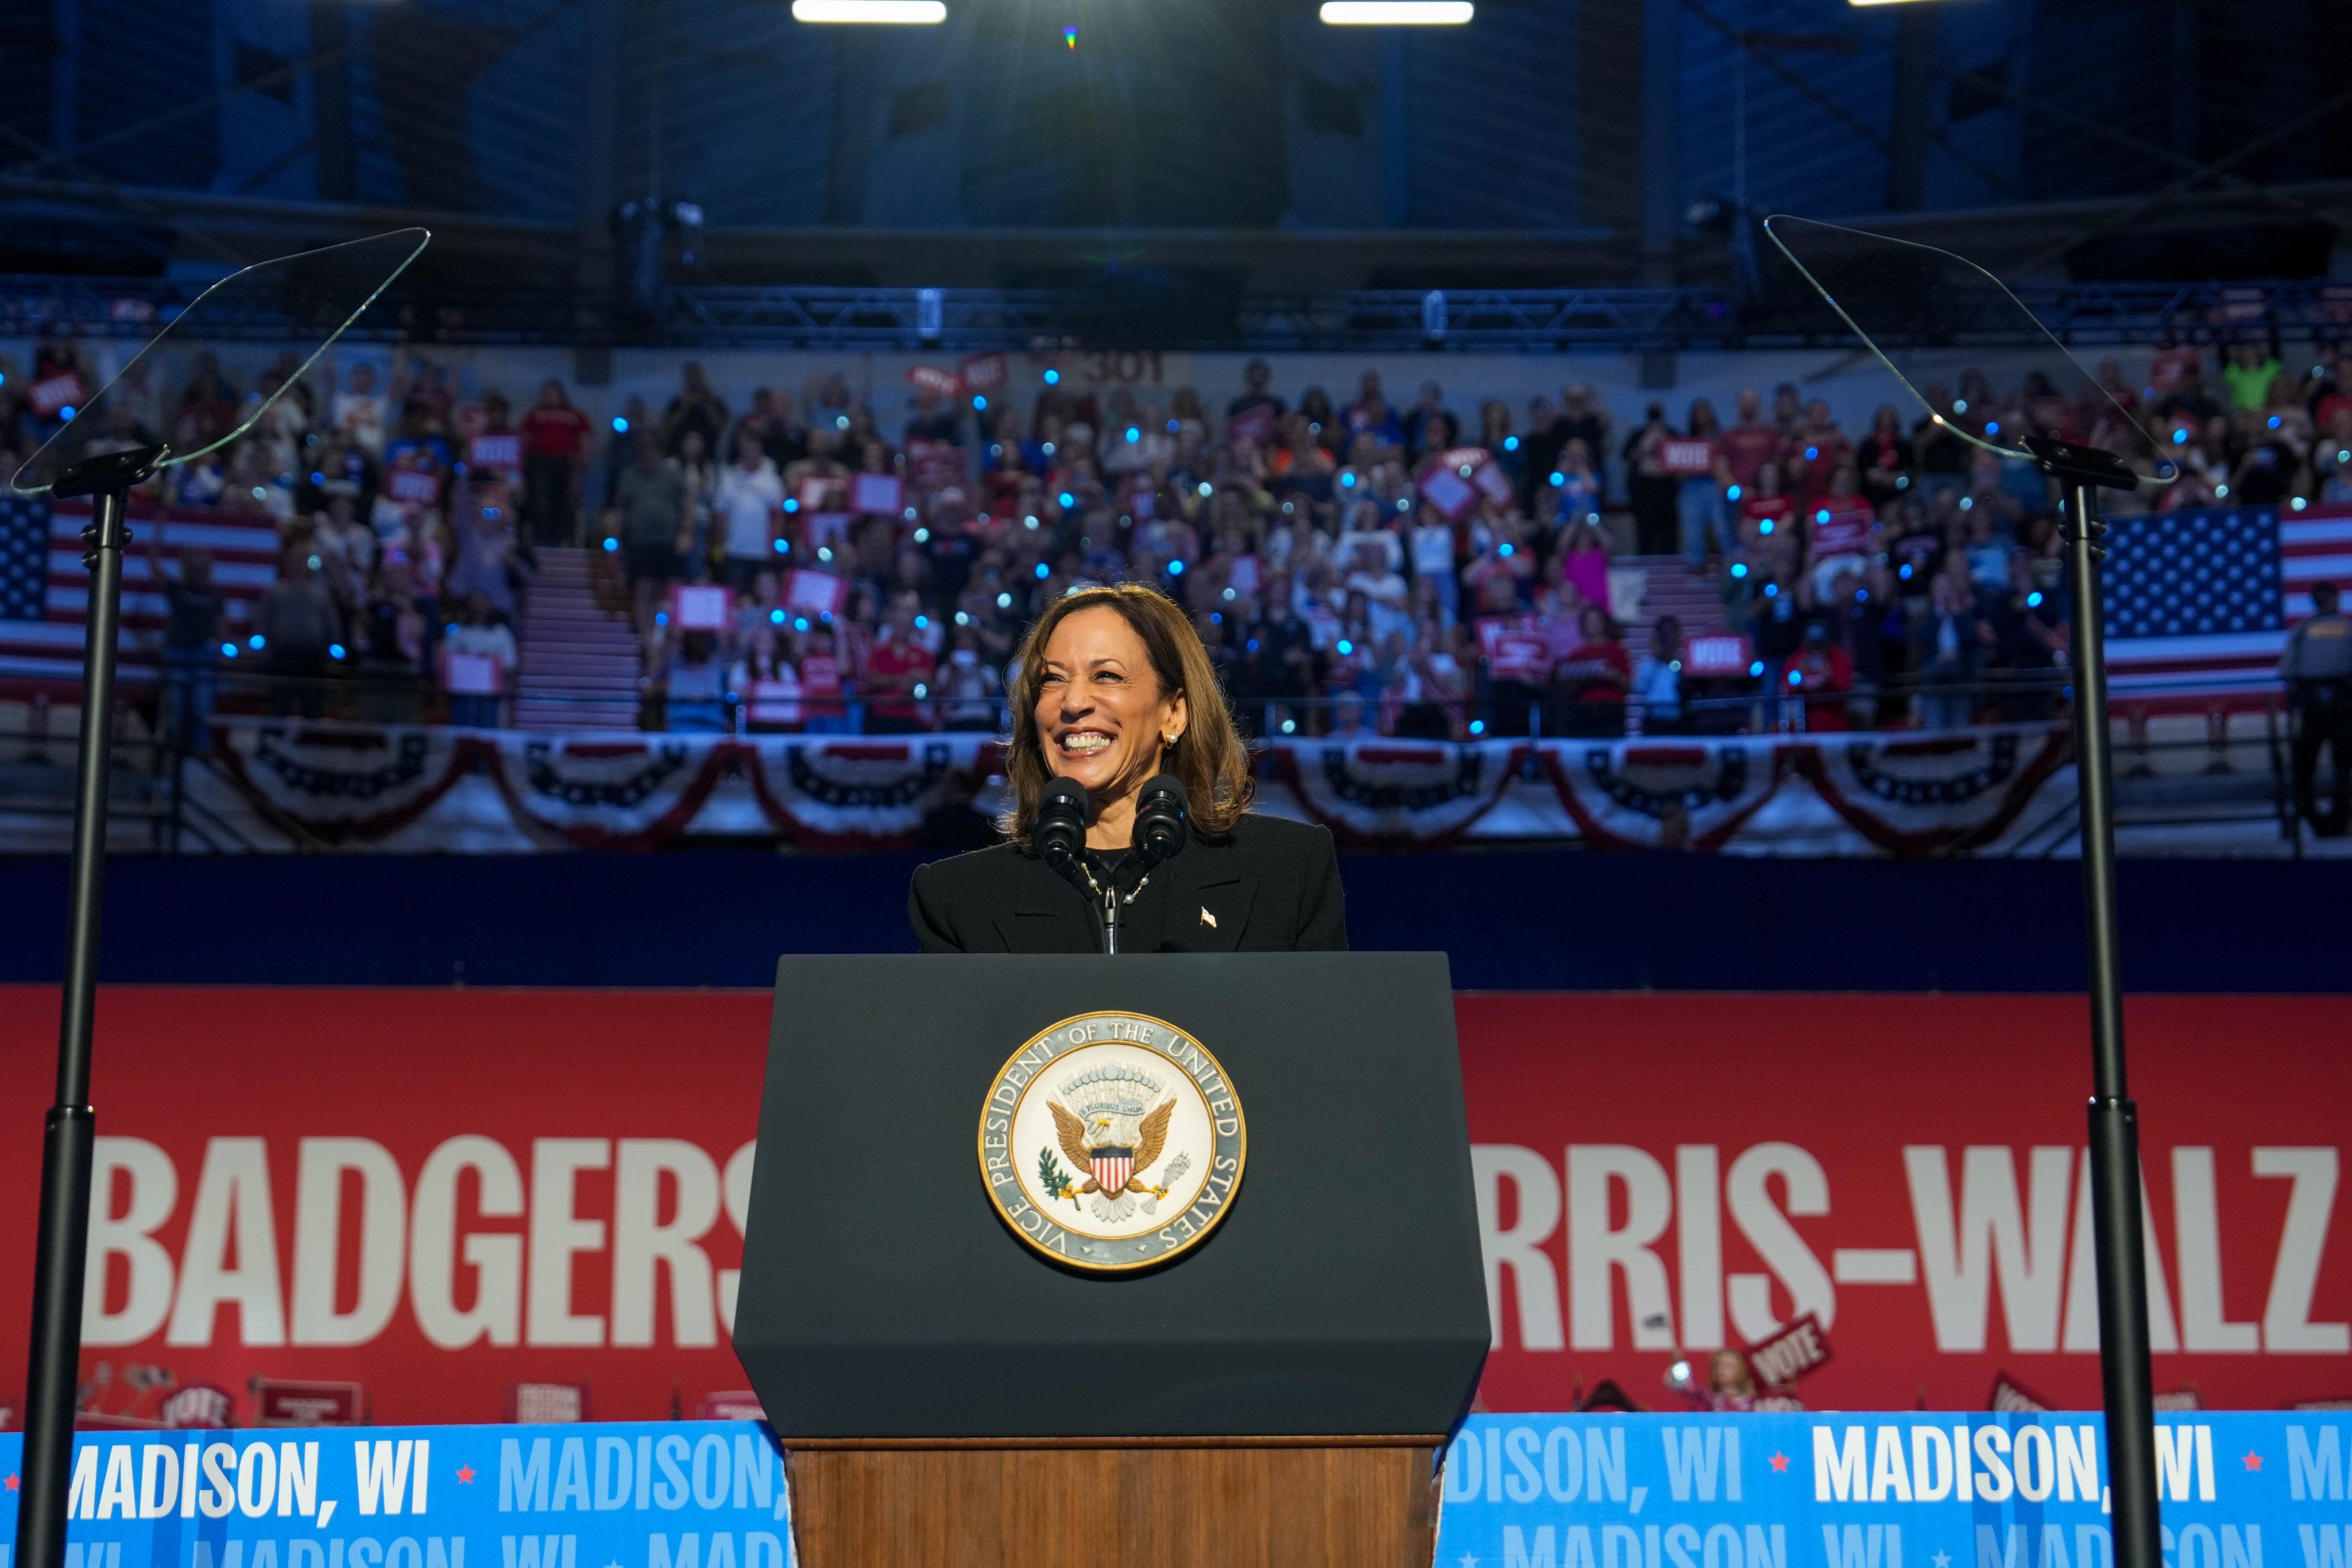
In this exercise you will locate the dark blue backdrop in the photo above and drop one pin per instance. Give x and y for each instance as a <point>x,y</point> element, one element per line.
<point>1542,919</point>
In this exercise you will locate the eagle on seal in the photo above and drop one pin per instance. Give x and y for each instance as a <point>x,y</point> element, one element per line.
<point>1115,1178</point>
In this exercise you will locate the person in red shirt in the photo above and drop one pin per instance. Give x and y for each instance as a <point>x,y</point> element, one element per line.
<point>1840,531</point>
<point>1822,675</point>
<point>1518,649</point>
<point>1764,510</point>
<point>821,684</point>
<point>1593,679</point>
<point>554,460</point>
<point>898,671</point>
<point>1748,445</point>
<point>1815,451</point>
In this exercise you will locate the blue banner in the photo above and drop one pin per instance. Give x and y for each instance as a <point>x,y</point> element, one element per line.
<point>1926,1490</point>
<point>671,1494</point>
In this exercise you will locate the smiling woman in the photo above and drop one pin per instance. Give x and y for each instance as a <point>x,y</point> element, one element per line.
<point>1115,688</point>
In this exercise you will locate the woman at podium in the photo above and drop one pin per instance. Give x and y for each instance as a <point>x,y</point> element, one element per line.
<point>1115,691</point>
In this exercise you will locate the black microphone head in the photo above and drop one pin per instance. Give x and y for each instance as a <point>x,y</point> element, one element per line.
<point>1162,811</point>
<point>1059,830</point>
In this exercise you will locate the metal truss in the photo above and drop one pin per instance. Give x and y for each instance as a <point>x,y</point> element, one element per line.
<point>972,320</point>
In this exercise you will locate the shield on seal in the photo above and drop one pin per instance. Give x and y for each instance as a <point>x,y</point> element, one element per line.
<point>1112,1165</point>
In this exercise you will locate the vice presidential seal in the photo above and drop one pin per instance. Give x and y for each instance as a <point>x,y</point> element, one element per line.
<point>1112,1141</point>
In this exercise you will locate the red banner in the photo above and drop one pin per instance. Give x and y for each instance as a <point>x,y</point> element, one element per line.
<point>441,1194</point>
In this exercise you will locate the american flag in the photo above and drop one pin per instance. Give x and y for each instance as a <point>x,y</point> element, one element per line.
<point>2200,602</point>
<point>45,588</point>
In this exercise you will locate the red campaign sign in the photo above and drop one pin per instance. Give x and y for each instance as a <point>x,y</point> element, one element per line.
<point>1449,493</point>
<point>815,593</point>
<point>1717,653</point>
<point>466,1199</point>
<point>57,391</point>
<point>877,495</point>
<point>701,607</point>
<point>983,373</point>
<point>1255,425</point>
<point>1780,1359</point>
<point>1686,458</point>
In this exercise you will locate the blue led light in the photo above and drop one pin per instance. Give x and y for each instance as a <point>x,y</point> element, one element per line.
<point>1739,568</point>
<point>229,650</point>
<point>800,623</point>
<point>1044,571</point>
<point>65,412</point>
<point>1005,601</point>
<point>1477,726</point>
<point>776,616</point>
<point>2034,602</point>
<point>1133,435</point>
<point>620,425</point>
<point>1756,667</point>
<point>2180,434</point>
<point>1175,568</point>
<point>1174,425</point>
<point>1558,477</point>
<point>1346,647</point>
<point>2274,421</point>
<point>791,503</point>
<point>1510,444</point>
<point>1812,454</point>
<point>1217,618</point>
<point>1795,677</point>
<point>1347,481</point>
<point>1822,515</point>
<point>1067,500</point>
<point>334,650</point>
<point>1053,378</point>
<point>611,545</point>
<point>1862,596</point>
<point>1765,527</point>
<point>256,642</point>
<point>1771,591</point>
<point>1731,494</point>
<point>1906,572</point>
<point>661,618</point>
<point>1506,550</point>
<point>316,477</point>
<point>1992,427</point>
<point>783,547</point>
<point>978,403</point>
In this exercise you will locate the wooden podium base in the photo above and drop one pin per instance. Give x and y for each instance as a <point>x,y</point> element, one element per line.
<point>1095,1502</point>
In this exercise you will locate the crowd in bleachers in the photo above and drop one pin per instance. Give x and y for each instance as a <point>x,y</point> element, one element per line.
<point>1433,567</point>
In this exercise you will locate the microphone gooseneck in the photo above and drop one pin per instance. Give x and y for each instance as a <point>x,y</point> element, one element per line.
<point>1059,830</point>
<point>1161,812</point>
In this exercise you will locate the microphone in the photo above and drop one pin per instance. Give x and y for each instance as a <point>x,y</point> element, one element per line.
<point>1161,810</point>
<point>1059,830</point>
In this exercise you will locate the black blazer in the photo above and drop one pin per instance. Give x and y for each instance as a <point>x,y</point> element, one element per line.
<point>1270,885</point>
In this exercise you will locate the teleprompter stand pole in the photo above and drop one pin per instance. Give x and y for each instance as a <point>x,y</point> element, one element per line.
<point>2116,1226</point>
<point>63,1237</point>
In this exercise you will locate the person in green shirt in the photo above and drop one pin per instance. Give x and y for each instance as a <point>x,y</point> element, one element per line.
<point>652,516</point>
<point>2250,372</point>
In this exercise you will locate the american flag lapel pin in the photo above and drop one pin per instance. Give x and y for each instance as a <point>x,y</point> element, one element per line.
<point>1208,919</point>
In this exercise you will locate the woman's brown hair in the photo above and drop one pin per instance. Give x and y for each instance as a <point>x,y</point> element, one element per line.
<point>1209,756</point>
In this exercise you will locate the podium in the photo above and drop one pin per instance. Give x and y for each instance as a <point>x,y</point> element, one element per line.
<point>1264,1373</point>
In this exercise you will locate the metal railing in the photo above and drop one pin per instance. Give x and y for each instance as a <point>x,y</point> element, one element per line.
<point>818,317</point>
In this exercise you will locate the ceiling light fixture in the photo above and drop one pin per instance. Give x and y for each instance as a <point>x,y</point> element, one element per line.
<point>901,12</point>
<point>1397,13</point>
